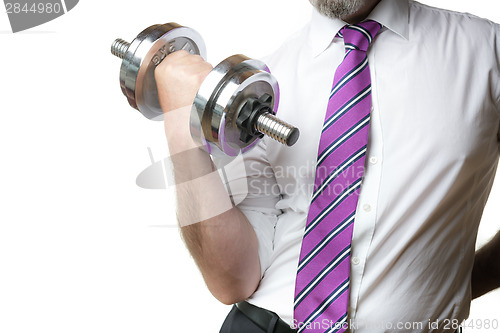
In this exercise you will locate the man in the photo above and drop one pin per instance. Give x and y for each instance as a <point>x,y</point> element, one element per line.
<point>433,100</point>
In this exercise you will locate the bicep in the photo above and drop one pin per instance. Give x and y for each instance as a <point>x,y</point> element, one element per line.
<point>252,185</point>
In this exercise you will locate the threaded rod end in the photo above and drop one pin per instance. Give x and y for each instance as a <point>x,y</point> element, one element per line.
<point>119,48</point>
<point>277,129</point>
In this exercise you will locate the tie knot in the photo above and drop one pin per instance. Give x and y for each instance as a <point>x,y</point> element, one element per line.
<point>359,36</point>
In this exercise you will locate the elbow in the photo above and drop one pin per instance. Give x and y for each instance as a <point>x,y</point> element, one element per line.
<point>229,299</point>
<point>234,293</point>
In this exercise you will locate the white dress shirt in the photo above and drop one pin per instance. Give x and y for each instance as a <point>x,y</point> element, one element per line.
<point>432,155</point>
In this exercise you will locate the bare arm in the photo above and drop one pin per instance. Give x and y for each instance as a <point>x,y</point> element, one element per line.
<point>486,270</point>
<point>217,234</point>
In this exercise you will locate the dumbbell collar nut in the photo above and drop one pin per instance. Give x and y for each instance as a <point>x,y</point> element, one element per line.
<point>250,113</point>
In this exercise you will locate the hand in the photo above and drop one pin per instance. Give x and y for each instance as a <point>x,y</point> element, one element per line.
<point>178,78</point>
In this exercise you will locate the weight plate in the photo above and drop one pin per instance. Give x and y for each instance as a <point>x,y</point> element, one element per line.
<point>145,52</point>
<point>220,98</point>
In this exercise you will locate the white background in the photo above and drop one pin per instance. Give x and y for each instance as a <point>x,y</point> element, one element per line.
<point>82,248</point>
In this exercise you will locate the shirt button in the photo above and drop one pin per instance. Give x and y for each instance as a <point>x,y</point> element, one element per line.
<point>373,160</point>
<point>367,207</point>
<point>355,260</point>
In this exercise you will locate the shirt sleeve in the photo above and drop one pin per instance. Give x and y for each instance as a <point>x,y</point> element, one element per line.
<point>496,49</point>
<point>252,186</point>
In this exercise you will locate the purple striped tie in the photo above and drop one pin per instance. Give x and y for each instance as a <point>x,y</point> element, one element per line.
<point>322,285</point>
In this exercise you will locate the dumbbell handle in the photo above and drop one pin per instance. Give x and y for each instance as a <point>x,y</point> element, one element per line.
<point>266,124</point>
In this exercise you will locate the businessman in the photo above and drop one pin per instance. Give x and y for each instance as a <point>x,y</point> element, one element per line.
<point>374,225</point>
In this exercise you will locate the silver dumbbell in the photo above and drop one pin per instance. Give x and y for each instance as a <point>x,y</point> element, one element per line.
<point>235,105</point>
<point>141,57</point>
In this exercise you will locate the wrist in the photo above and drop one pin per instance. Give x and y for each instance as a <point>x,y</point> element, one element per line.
<point>177,130</point>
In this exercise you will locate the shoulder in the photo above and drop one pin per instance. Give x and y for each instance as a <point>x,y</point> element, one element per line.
<point>458,41</point>
<point>455,34</point>
<point>448,20</point>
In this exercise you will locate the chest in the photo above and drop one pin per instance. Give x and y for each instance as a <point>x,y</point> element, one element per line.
<point>427,105</point>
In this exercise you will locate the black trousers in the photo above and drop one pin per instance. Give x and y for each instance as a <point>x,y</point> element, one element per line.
<point>237,322</point>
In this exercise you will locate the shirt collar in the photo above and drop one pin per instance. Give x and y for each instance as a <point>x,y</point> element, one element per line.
<point>392,14</point>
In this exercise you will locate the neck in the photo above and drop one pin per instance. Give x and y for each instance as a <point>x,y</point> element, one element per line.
<point>362,13</point>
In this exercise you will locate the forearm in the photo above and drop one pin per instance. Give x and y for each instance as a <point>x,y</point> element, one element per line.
<point>486,270</point>
<point>217,234</point>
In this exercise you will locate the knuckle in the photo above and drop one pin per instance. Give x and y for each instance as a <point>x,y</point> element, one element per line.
<point>181,66</point>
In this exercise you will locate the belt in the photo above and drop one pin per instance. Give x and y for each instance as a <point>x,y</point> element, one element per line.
<point>267,320</point>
